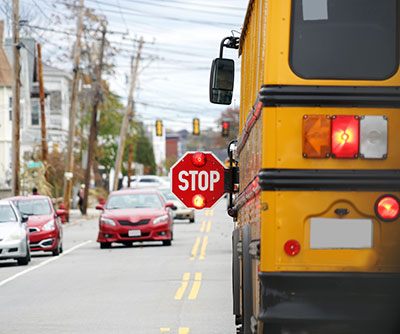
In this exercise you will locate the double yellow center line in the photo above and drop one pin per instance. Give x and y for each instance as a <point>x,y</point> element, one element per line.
<point>184,285</point>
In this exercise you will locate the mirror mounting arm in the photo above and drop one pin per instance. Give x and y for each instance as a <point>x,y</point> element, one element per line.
<point>230,43</point>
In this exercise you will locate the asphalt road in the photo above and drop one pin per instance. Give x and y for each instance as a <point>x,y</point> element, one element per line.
<point>144,289</point>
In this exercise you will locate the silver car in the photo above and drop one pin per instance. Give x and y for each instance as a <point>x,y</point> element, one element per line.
<point>14,239</point>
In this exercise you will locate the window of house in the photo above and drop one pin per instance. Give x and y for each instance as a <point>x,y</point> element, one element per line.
<point>10,108</point>
<point>35,112</point>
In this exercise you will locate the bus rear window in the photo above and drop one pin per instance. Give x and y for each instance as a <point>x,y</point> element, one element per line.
<point>345,39</point>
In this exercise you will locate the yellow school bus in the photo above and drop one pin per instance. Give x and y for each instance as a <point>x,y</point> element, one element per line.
<point>316,243</point>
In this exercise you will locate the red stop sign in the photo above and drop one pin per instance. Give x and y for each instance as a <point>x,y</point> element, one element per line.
<point>198,179</point>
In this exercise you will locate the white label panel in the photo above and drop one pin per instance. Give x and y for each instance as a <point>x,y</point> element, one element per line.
<point>326,233</point>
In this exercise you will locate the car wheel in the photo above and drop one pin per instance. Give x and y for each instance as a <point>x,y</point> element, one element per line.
<point>105,245</point>
<point>56,251</point>
<point>61,248</point>
<point>167,242</point>
<point>23,261</point>
<point>191,220</point>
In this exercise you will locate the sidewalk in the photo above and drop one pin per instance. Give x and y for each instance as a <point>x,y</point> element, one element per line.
<point>76,216</point>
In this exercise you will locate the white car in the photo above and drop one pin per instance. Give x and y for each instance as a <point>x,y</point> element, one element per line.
<point>181,212</point>
<point>14,239</point>
<point>146,181</point>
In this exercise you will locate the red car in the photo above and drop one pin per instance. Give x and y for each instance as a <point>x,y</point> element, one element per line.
<point>45,229</point>
<point>135,215</point>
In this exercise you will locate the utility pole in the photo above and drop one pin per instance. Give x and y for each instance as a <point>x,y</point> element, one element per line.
<point>130,160</point>
<point>128,114</point>
<point>93,124</point>
<point>42,109</point>
<point>16,101</point>
<point>73,110</point>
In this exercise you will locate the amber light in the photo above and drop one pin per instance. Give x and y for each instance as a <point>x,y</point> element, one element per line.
<point>292,247</point>
<point>199,159</point>
<point>387,208</point>
<point>199,201</point>
<point>345,136</point>
<point>316,136</point>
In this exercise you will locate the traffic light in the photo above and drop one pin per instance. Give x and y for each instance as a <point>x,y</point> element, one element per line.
<point>159,128</point>
<point>196,127</point>
<point>225,128</point>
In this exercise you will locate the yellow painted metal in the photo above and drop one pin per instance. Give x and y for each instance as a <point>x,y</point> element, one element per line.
<point>282,143</point>
<point>288,217</point>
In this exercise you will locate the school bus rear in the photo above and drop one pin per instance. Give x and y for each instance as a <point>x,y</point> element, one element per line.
<point>317,239</point>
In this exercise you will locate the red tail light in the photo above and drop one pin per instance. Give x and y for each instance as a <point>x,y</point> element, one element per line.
<point>387,208</point>
<point>199,159</point>
<point>199,201</point>
<point>345,136</point>
<point>292,247</point>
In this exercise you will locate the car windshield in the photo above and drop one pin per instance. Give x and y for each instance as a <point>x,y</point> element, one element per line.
<point>168,195</point>
<point>34,207</point>
<point>7,214</point>
<point>133,201</point>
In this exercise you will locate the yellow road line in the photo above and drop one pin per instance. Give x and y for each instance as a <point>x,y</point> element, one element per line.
<point>184,330</point>
<point>165,330</point>
<point>196,286</point>
<point>181,290</point>
<point>209,226</point>
<point>203,248</point>
<point>203,226</point>
<point>195,248</point>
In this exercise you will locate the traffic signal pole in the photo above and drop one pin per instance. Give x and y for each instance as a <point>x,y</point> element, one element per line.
<point>128,114</point>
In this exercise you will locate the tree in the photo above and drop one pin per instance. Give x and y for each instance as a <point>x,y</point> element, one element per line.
<point>143,150</point>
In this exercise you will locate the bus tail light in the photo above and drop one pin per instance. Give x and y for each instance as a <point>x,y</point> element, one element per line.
<point>387,208</point>
<point>292,247</point>
<point>316,136</point>
<point>345,136</point>
<point>373,137</point>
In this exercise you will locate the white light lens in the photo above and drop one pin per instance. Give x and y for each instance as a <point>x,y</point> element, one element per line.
<point>50,226</point>
<point>161,219</point>
<point>373,137</point>
<point>107,221</point>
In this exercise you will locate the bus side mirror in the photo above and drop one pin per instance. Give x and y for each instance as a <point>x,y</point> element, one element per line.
<point>221,81</point>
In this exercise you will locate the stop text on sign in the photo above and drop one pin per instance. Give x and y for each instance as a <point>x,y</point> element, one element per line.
<point>198,180</point>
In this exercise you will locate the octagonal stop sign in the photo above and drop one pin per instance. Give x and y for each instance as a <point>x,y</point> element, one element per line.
<point>198,179</point>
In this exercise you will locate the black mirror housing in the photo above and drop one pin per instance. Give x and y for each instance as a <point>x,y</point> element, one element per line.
<point>24,218</point>
<point>222,80</point>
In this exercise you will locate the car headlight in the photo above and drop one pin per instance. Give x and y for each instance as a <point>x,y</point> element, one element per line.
<point>107,221</point>
<point>161,219</point>
<point>15,235</point>
<point>50,226</point>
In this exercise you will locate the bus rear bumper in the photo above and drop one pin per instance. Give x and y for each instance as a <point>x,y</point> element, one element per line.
<point>330,303</point>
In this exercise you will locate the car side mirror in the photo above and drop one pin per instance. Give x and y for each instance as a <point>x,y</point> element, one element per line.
<point>24,218</point>
<point>100,207</point>
<point>170,205</point>
<point>222,80</point>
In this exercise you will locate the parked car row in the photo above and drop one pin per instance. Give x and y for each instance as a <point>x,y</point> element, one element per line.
<point>29,224</point>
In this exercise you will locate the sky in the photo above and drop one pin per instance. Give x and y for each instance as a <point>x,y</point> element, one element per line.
<point>181,37</point>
